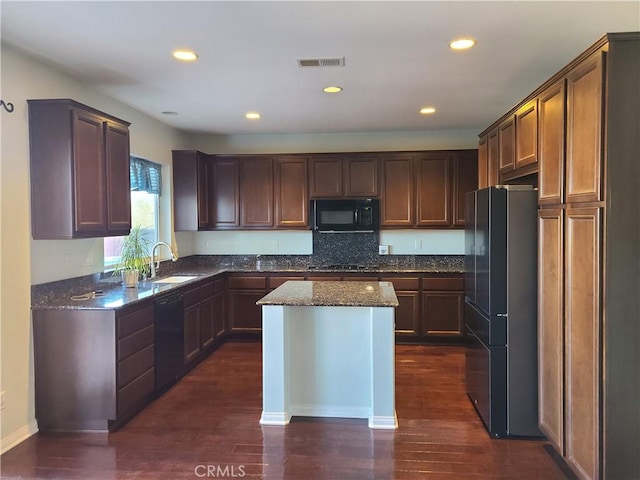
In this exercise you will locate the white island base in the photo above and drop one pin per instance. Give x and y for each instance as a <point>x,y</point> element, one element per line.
<point>328,361</point>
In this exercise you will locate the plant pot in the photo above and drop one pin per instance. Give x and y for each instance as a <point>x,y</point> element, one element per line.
<point>130,278</point>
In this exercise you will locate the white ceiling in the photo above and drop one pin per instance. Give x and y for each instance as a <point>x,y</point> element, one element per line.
<point>396,54</point>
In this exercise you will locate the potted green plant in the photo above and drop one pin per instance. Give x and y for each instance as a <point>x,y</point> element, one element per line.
<point>134,257</point>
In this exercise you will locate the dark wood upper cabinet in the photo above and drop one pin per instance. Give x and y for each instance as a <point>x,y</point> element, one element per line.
<point>79,171</point>
<point>506,145</point>
<point>397,195</point>
<point>191,191</point>
<point>465,179</point>
<point>256,192</point>
<point>225,192</point>
<point>361,176</point>
<point>433,197</point>
<point>584,131</point>
<point>344,175</point>
<point>493,163</point>
<point>526,129</point>
<point>551,119</point>
<point>291,194</point>
<point>325,176</point>
<point>483,162</point>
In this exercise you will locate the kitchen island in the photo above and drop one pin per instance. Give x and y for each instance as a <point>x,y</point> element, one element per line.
<point>328,351</point>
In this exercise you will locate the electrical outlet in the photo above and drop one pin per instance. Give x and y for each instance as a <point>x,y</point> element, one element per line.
<point>383,249</point>
<point>418,244</point>
<point>276,244</point>
<point>2,404</point>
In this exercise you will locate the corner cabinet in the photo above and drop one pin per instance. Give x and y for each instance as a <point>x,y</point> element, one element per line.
<point>79,160</point>
<point>192,177</point>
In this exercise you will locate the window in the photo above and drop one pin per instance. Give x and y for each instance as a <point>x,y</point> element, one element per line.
<point>146,181</point>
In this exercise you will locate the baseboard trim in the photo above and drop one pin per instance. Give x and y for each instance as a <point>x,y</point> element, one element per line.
<point>18,437</point>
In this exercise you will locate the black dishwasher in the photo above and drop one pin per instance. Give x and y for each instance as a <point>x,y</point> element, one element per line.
<point>169,340</point>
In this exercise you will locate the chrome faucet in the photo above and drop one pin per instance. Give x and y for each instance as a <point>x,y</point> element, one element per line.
<point>155,267</point>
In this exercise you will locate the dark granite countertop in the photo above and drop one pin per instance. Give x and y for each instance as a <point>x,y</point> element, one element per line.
<point>354,294</point>
<point>57,295</point>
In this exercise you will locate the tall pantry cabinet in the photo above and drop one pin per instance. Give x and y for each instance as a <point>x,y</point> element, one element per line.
<point>589,282</point>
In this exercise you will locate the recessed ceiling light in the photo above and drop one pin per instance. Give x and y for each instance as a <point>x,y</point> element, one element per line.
<point>253,115</point>
<point>427,110</point>
<point>169,113</point>
<point>462,43</point>
<point>185,55</point>
<point>332,89</point>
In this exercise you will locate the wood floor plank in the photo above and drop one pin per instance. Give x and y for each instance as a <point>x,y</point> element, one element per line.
<point>209,420</point>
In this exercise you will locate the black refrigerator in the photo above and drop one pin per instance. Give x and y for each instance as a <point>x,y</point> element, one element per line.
<point>501,308</point>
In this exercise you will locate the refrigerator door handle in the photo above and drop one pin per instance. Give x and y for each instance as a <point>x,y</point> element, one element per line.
<point>502,315</point>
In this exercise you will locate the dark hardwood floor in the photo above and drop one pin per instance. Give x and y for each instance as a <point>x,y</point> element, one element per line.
<point>208,422</point>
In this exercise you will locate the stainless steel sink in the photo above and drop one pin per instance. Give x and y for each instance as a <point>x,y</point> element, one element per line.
<point>175,279</point>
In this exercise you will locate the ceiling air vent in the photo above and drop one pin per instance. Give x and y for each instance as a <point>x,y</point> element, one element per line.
<point>321,62</point>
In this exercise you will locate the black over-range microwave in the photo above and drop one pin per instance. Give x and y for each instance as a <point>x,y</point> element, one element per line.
<point>345,215</point>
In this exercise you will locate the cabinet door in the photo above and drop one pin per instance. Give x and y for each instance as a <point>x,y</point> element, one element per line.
<point>256,192</point>
<point>483,163</point>
<point>584,131</point>
<point>526,130</point>
<point>442,314</point>
<point>89,173</point>
<point>582,339</point>
<point>492,158</point>
<point>506,145</point>
<point>397,202</point>
<point>465,179</point>
<point>361,177</point>
<point>118,179</point>
<point>408,314</point>
<point>434,189</point>
<point>325,179</point>
<point>219,314</point>
<point>225,195</point>
<point>207,334</point>
<point>244,315</point>
<point>551,325</point>
<point>204,202</point>
<point>191,333</point>
<point>551,109</point>
<point>291,194</point>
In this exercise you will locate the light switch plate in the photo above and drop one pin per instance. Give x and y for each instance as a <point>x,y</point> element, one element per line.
<point>383,249</point>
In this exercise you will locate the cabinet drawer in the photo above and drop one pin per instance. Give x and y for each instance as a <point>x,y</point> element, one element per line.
<point>275,282</point>
<point>136,392</point>
<point>218,285</point>
<point>135,342</point>
<point>134,366</point>
<point>132,322</point>
<point>456,284</point>
<point>411,284</point>
<point>324,279</point>
<point>248,283</point>
<point>359,279</point>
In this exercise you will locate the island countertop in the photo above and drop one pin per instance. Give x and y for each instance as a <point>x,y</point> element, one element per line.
<point>327,293</point>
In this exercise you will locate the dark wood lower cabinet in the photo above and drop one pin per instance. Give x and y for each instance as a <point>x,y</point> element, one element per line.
<point>442,314</point>
<point>244,316</point>
<point>191,333</point>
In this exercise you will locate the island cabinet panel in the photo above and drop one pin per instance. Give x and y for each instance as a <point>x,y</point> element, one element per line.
<point>584,131</point>
<point>551,141</point>
<point>407,314</point>
<point>442,307</point>
<point>434,196</point>
<point>79,160</point>
<point>291,193</point>
<point>225,193</point>
<point>325,176</point>
<point>256,192</point>
<point>397,206</point>
<point>244,316</point>
<point>94,369</point>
